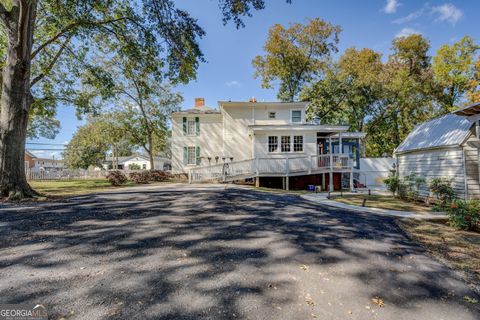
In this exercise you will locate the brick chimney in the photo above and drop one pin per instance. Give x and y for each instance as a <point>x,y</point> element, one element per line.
<point>199,102</point>
<point>252,99</point>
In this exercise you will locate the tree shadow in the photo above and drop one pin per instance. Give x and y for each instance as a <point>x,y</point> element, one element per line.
<point>216,254</point>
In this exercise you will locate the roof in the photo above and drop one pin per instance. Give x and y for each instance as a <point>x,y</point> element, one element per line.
<point>261,104</point>
<point>446,131</point>
<point>144,157</point>
<point>469,111</point>
<point>298,127</point>
<point>197,110</point>
<point>30,154</point>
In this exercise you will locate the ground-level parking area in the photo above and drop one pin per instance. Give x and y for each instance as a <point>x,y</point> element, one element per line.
<point>210,252</point>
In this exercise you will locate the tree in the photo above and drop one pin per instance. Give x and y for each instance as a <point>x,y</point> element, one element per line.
<point>92,142</point>
<point>457,72</point>
<point>406,98</point>
<point>296,55</point>
<point>143,115</point>
<point>88,147</point>
<point>48,57</point>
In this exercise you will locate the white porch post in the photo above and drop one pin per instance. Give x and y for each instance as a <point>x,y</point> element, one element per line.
<point>340,143</point>
<point>330,180</point>
<point>189,176</point>
<point>351,178</point>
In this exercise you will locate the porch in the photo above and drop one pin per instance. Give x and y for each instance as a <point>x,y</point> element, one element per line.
<point>285,167</point>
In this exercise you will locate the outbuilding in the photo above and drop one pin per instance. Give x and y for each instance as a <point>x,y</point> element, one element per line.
<point>445,147</point>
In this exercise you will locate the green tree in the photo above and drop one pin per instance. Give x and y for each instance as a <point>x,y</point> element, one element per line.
<point>48,58</point>
<point>142,114</point>
<point>456,68</point>
<point>406,98</point>
<point>296,55</point>
<point>88,146</point>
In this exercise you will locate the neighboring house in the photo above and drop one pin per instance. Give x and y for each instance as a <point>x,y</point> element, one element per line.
<point>34,163</point>
<point>269,141</point>
<point>142,161</point>
<point>446,147</point>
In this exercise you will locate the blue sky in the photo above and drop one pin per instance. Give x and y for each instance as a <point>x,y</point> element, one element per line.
<point>228,73</point>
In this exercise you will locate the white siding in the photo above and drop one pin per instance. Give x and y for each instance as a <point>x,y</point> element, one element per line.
<point>309,143</point>
<point>209,140</point>
<point>446,162</point>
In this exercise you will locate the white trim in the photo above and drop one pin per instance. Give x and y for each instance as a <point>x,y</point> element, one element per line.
<point>301,116</point>
<point>189,119</point>
<point>279,144</point>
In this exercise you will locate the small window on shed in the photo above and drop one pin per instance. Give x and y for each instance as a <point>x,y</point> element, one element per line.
<point>272,115</point>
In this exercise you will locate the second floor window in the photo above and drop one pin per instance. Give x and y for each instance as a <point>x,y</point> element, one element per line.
<point>296,116</point>
<point>191,129</point>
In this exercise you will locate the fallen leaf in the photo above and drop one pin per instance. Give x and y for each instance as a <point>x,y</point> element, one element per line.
<point>309,300</point>
<point>379,302</point>
<point>304,267</point>
<point>470,300</point>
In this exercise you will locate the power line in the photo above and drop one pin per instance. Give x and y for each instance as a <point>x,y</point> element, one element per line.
<point>45,149</point>
<point>46,144</point>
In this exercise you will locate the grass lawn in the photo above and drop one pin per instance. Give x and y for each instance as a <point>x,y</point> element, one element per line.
<point>383,202</point>
<point>460,249</point>
<point>73,187</point>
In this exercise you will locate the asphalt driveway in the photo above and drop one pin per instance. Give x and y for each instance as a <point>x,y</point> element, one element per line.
<point>181,252</point>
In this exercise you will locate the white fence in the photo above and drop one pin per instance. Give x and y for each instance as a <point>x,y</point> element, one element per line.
<point>65,174</point>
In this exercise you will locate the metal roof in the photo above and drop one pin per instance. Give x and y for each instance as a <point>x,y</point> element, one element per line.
<point>469,111</point>
<point>448,130</point>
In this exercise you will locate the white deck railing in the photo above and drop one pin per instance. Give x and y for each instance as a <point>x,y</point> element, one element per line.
<point>271,166</point>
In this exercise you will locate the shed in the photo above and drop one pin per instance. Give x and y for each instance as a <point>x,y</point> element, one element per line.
<point>445,147</point>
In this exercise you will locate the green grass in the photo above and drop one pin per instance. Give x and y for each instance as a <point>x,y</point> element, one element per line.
<point>383,202</point>
<point>73,187</point>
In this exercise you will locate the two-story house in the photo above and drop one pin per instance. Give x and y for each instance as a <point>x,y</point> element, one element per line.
<point>269,141</point>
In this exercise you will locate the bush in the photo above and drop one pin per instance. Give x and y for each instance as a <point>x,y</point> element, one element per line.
<point>409,188</point>
<point>442,190</point>
<point>134,166</point>
<point>116,178</point>
<point>392,183</point>
<point>464,215</point>
<point>159,175</point>
<point>140,177</point>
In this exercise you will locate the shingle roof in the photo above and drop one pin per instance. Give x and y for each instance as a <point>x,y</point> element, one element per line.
<point>448,130</point>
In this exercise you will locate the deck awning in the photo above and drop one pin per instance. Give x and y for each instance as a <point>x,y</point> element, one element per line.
<point>471,110</point>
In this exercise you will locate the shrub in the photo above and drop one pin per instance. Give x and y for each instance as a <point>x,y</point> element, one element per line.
<point>159,175</point>
<point>116,178</point>
<point>392,183</point>
<point>442,190</point>
<point>140,177</point>
<point>464,215</point>
<point>409,188</point>
<point>134,166</point>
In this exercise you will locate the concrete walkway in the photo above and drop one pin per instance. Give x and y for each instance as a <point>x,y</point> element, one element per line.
<point>321,198</point>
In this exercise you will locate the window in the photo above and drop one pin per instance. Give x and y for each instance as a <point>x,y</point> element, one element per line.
<point>272,144</point>
<point>296,115</point>
<point>285,143</point>
<point>191,127</point>
<point>272,115</point>
<point>191,156</point>
<point>144,166</point>
<point>297,143</point>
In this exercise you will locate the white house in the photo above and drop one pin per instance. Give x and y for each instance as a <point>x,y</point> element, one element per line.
<point>142,161</point>
<point>445,147</point>
<point>268,141</point>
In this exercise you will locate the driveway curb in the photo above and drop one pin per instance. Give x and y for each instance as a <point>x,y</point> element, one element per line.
<point>322,199</point>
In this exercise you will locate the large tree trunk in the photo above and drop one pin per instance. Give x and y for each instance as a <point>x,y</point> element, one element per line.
<point>16,99</point>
